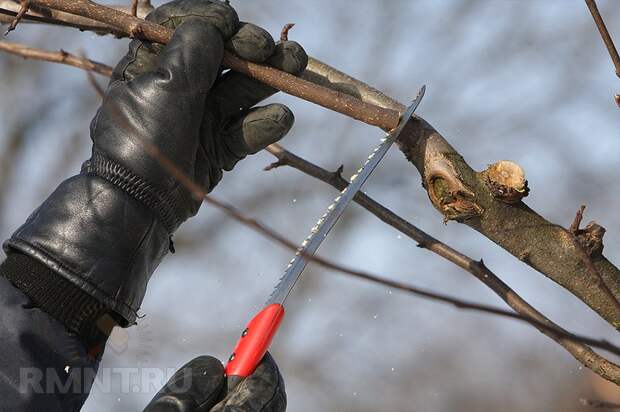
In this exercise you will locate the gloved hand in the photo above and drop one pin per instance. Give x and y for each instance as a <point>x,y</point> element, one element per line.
<point>200,386</point>
<point>105,230</point>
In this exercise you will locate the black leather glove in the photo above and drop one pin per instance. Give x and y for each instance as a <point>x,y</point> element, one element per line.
<point>105,230</point>
<point>200,386</point>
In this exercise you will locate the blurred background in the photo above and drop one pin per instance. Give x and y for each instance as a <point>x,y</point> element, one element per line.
<point>528,81</point>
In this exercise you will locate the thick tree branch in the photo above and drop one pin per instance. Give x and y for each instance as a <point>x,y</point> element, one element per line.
<point>469,197</point>
<point>60,56</point>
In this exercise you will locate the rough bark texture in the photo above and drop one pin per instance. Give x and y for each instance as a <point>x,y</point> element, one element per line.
<point>464,195</point>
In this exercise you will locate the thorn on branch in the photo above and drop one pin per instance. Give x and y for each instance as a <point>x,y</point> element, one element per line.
<point>574,227</point>
<point>64,55</point>
<point>338,172</point>
<point>284,33</point>
<point>618,100</point>
<point>588,244</point>
<point>589,238</point>
<point>275,165</point>
<point>24,7</point>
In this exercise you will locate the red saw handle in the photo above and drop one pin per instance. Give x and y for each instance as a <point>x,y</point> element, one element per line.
<point>253,343</point>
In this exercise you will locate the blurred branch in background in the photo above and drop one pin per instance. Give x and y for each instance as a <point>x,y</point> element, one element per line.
<point>60,56</point>
<point>609,43</point>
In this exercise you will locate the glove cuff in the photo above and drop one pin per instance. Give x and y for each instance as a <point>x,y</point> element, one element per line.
<point>163,203</point>
<point>95,236</point>
<point>61,299</point>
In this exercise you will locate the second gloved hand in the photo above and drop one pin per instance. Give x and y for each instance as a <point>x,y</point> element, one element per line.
<point>200,386</point>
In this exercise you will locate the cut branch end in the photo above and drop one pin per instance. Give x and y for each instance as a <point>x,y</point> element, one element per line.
<point>507,182</point>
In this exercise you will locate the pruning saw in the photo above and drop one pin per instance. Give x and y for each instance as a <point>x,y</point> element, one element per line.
<point>259,332</point>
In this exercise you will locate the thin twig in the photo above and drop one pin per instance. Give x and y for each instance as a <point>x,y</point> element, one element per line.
<point>60,56</point>
<point>91,79</point>
<point>56,18</point>
<point>23,9</point>
<point>134,8</point>
<point>574,227</point>
<point>284,33</point>
<point>602,29</point>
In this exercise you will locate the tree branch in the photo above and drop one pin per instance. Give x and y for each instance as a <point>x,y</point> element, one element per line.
<point>60,56</point>
<point>602,29</point>
<point>469,197</point>
<point>199,192</point>
<point>23,9</point>
<point>138,28</point>
<point>9,9</point>
<point>582,353</point>
<point>134,8</point>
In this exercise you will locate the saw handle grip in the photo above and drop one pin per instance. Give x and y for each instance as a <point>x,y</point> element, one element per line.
<point>253,343</point>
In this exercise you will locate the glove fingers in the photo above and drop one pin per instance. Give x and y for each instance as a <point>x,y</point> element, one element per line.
<point>261,391</point>
<point>257,129</point>
<point>252,43</point>
<point>197,386</point>
<point>143,56</point>
<point>235,92</point>
<point>190,63</point>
